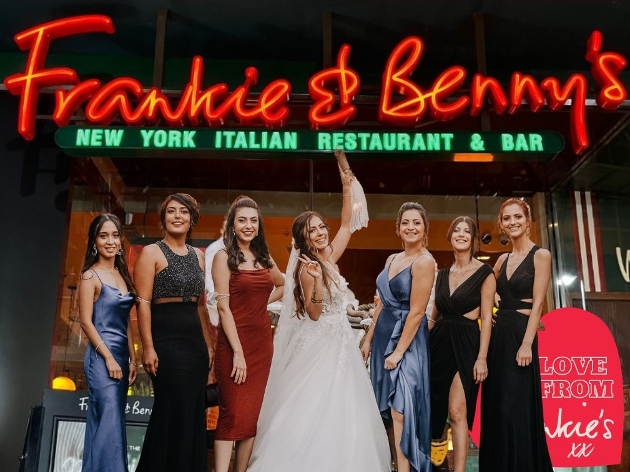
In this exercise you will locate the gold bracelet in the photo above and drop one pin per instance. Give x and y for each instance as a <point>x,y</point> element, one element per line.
<point>431,320</point>
<point>140,299</point>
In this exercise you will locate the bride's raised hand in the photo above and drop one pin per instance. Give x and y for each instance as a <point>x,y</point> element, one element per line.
<point>312,267</point>
<point>344,168</point>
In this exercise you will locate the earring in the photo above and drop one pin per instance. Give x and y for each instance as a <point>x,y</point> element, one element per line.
<point>120,251</point>
<point>94,251</point>
<point>233,233</point>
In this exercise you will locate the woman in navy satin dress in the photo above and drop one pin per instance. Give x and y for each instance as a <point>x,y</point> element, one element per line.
<point>106,296</point>
<point>399,342</point>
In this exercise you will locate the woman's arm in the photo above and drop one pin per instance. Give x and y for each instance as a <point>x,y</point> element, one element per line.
<point>366,346</point>
<point>312,282</point>
<point>202,309</point>
<point>133,363</point>
<point>221,279</point>
<point>488,289</point>
<point>278,282</point>
<point>423,275</point>
<point>143,276</point>
<point>542,274</point>
<point>89,290</point>
<point>431,320</point>
<point>340,242</point>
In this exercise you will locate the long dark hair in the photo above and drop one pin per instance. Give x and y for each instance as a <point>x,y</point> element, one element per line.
<point>258,245</point>
<point>300,230</point>
<point>120,260</point>
<point>474,242</point>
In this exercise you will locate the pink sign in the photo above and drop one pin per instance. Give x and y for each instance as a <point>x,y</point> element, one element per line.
<point>582,389</point>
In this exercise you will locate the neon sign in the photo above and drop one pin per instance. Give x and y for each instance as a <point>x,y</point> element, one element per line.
<point>402,102</point>
<point>93,140</point>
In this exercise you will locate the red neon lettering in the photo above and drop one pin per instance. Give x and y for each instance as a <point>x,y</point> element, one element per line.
<point>521,86</point>
<point>68,102</point>
<point>35,77</point>
<point>480,87</point>
<point>321,115</point>
<point>605,67</point>
<point>396,80</point>
<point>447,82</point>
<point>575,88</point>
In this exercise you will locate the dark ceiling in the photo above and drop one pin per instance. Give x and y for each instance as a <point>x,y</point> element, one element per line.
<point>535,36</point>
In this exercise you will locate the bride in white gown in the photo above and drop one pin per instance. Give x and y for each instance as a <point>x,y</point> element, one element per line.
<point>319,413</point>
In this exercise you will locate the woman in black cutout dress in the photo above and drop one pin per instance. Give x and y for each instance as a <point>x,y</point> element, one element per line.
<point>458,351</point>
<point>512,430</point>
<point>173,323</point>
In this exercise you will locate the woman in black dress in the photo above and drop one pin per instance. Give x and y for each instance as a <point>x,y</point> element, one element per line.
<point>512,429</point>
<point>173,324</point>
<point>463,292</point>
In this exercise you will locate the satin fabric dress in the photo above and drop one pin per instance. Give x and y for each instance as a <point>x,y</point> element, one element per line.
<point>455,344</point>
<point>105,446</point>
<point>512,429</point>
<point>319,413</point>
<point>239,405</point>
<point>406,388</point>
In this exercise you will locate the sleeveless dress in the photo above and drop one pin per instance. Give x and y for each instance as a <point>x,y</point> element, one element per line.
<point>239,405</point>
<point>105,446</point>
<point>175,440</point>
<point>406,388</point>
<point>512,429</point>
<point>454,344</point>
<point>318,414</point>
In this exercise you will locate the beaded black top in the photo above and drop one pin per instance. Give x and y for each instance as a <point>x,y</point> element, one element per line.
<point>181,278</point>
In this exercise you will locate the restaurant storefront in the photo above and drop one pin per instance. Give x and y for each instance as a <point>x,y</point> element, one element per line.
<point>459,143</point>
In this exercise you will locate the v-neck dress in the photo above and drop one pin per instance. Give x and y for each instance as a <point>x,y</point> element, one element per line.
<point>406,388</point>
<point>454,344</point>
<point>512,430</point>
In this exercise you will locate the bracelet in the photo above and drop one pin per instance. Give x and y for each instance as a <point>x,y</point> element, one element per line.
<point>345,195</point>
<point>430,320</point>
<point>140,299</point>
<point>99,345</point>
<point>221,296</point>
<point>315,300</point>
<point>133,363</point>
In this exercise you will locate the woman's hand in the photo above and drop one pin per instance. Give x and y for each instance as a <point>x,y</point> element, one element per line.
<point>524,355</point>
<point>150,361</point>
<point>480,370</point>
<point>366,348</point>
<point>133,372</point>
<point>312,267</point>
<point>115,372</point>
<point>239,369</point>
<point>392,361</point>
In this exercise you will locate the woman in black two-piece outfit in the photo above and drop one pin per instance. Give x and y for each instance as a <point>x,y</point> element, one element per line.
<point>512,429</point>
<point>173,324</point>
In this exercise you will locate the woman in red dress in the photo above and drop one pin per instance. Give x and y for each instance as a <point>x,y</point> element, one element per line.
<point>246,280</point>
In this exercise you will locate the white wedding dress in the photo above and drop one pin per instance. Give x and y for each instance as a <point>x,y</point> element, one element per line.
<point>319,413</point>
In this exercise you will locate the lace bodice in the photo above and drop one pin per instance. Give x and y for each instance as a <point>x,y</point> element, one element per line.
<point>333,322</point>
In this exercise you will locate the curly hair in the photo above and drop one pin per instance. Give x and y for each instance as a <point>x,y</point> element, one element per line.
<point>259,243</point>
<point>300,232</point>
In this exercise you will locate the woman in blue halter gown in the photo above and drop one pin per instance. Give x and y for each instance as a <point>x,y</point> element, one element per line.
<point>399,342</point>
<point>106,296</point>
<point>512,430</point>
